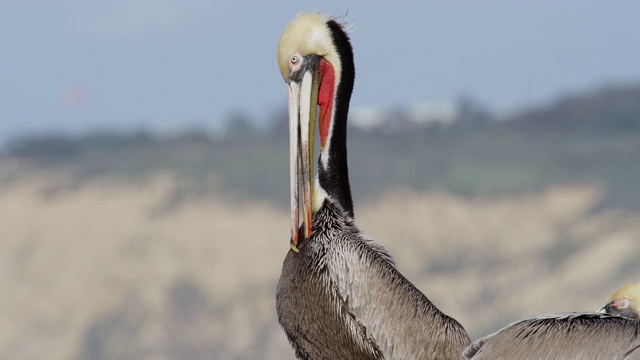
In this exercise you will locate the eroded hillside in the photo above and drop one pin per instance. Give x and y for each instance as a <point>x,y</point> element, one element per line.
<point>106,270</point>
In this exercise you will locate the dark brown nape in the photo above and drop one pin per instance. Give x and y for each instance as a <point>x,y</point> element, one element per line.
<point>335,178</point>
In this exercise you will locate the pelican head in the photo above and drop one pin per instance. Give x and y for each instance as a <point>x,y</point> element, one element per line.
<point>624,302</point>
<point>311,53</point>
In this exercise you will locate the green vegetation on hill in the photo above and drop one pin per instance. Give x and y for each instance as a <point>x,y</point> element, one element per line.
<point>592,138</point>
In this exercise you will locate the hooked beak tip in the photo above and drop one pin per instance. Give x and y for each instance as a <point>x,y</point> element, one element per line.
<point>294,246</point>
<point>607,309</point>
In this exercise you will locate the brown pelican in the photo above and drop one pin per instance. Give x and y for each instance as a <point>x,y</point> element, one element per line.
<point>612,333</point>
<point>340,295</point>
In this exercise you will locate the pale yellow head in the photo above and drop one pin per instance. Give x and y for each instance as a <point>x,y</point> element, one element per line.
<point>625,301</point>
<point>307,34</point>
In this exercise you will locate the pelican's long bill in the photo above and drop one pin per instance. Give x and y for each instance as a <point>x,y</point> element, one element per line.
<point>303,104</point>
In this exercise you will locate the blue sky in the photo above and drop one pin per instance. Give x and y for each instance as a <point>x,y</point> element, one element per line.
<point>165,65</point>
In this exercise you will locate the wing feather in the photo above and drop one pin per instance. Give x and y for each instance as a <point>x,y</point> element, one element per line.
<point>561,336</point>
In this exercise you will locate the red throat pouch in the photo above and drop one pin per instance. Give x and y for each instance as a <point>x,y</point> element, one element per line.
<point>325,98</point>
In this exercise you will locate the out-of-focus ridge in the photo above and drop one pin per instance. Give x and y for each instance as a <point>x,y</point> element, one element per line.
<point>105,270</point>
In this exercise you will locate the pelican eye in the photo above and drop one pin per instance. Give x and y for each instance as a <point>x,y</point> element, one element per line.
<point>294,59</point>
<point>623,304</point>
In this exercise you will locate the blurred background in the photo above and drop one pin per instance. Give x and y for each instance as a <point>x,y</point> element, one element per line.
<point>493,146</point>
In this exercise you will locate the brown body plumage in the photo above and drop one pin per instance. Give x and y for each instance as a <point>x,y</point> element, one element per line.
<point>341,297</point>
<point>580,336</point>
